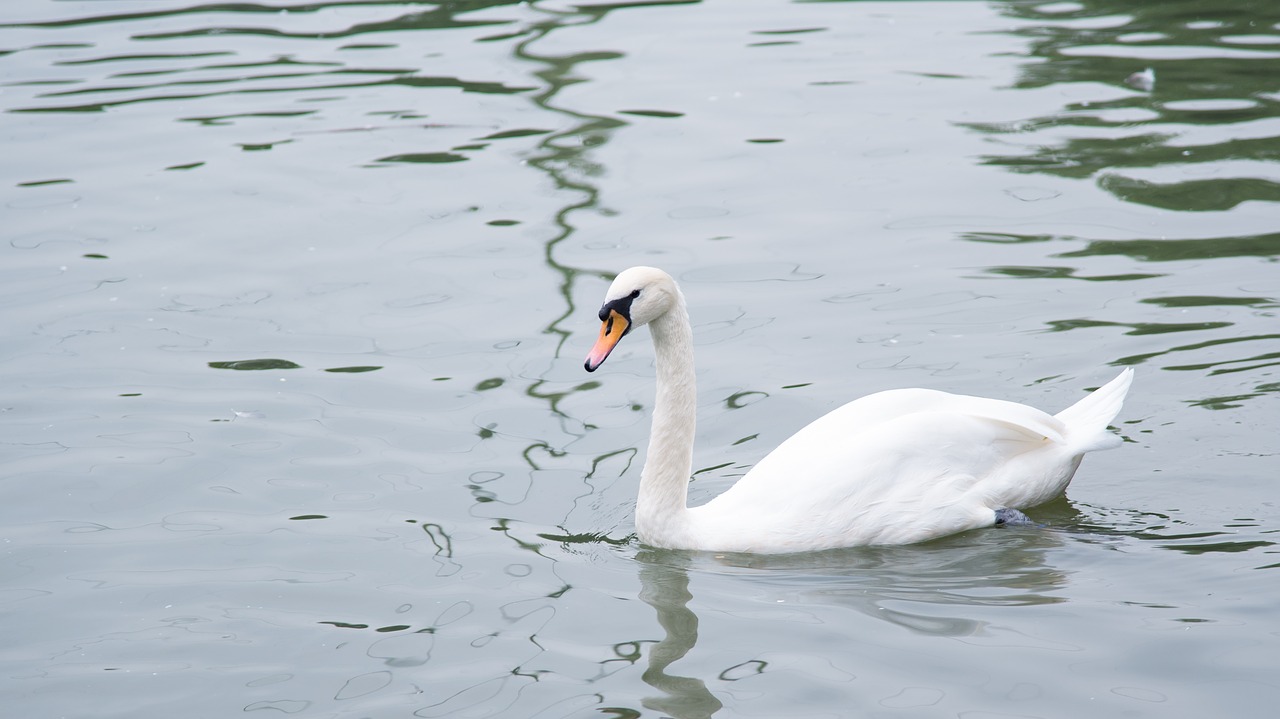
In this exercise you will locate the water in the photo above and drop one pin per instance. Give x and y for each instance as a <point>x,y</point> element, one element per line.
<point>296,299</point>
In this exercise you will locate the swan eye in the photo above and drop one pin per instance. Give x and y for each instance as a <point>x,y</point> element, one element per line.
<point>635,294</point>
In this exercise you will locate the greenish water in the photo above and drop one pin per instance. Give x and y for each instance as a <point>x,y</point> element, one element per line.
<point>296,297</point>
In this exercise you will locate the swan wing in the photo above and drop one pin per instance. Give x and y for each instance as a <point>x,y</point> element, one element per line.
<point>896,467</point>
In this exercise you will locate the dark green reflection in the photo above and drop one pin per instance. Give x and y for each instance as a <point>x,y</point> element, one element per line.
<point>1136,328</point>
<point>1196,195</point>
<point>430,158</point>
<point>1212,68</point>
<point>1210,301</point>
<point>1252,360</point>
<point>281,74</point>
<point>256,364</point>
<point>442,16</point>
<point>1025,272</point>
<point>1162,250</point>
<point>1143,249</point>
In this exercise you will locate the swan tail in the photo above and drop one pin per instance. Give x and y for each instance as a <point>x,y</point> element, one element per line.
<point>1087,420</point>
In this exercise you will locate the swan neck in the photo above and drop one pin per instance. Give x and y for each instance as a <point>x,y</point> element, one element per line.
<point>662,515</point>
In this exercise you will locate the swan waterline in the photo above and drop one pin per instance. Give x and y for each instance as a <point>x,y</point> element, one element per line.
<point>895,467</point>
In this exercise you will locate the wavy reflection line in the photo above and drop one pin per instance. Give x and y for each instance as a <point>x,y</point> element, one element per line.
<point>564,156</point>
<point>1143,249</point>
<point>1140,358</point>
<point>442,17</point>
<point>1265,245</point>
<point>490,88</point>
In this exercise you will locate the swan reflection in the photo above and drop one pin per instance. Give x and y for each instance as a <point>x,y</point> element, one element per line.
<point>927,589</point>
<point>664,581</point>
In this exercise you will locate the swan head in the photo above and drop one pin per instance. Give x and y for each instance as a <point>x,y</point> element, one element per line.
<point>637,297</point>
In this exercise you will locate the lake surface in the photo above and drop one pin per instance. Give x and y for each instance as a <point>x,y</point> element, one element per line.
<point>296,296</point>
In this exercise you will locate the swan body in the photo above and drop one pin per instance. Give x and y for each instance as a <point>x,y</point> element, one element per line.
<point>894,467</point>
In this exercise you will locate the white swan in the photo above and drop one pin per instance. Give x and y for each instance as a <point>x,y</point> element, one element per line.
<point>894,467</point>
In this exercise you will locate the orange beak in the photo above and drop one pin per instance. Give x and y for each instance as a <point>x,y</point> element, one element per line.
<point>611,331</point>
